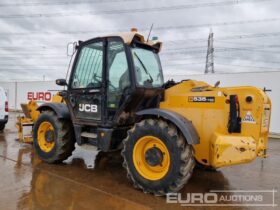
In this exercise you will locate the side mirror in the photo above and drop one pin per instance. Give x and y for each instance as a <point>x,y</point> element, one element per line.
<point>61,82</point>
<point>71,48</point>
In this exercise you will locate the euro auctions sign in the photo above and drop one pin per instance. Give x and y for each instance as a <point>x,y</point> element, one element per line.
<point>39,96</point>
<point>250,198</point>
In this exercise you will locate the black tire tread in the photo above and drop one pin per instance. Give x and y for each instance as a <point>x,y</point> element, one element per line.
<point>187,160</point>
<point>65,145</point>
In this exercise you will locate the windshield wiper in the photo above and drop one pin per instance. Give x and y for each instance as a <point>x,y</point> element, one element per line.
<point>144,67</point>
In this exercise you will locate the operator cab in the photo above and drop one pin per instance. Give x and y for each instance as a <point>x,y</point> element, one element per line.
<point>112,78</point>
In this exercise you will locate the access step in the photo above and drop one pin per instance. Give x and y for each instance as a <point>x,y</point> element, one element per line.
<point>89,135</point>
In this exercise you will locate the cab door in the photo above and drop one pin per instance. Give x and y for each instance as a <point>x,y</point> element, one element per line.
<point>86,86</point>
<point>118,76</point>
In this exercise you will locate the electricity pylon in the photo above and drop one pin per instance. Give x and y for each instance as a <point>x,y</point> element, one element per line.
<point>209,67</point>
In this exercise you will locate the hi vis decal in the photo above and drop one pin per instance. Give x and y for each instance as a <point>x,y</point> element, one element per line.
<point>88,108</point>
<point>248,118</point>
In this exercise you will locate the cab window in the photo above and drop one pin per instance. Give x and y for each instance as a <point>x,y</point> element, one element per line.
<point>148,71</point>
<point>88,71</point>
<point>118,73</point>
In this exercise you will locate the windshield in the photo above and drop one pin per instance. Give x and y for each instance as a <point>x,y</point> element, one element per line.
<point>147,68</point>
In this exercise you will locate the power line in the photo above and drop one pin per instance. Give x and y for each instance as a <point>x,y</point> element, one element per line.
<point>223,57</point>
<point>222,49</point>
<point>135,10</point>
<point>51,68</point>
<point>31,46</point>
<point>248,72</point>
<point>39,66</point>
<point>244,66</point>
<point>225,72</point>
<point>240,36</point>
<point>29,53</point>
<point>248,44</point>
<point>218,49</point>
<point>256,67</point>
<point>26,4</point>
<point>184,64</point>
<point>218,24</point>
<point>209,66</point>
<point>30,69</point>
<point>32,58</point>
<point>45,49</point>
<point>251,60</point>
<point>185,58</point>
<point>156,28</point>
<point>169,52</point>
<point>172,42</point>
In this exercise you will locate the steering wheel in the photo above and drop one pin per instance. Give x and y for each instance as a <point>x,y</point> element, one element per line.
<point>97,83</point>
<point>94,85</point>
<point>98,79</point>
<point>114,87</point>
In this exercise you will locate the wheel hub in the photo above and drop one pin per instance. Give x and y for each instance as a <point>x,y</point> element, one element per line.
<point>151,157</point>
<point>49,136</point>
<point>154,156</point>
<point>46,136</point>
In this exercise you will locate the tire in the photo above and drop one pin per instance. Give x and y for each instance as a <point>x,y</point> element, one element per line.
<point>2,127</point>
<point>62,141</point>
<point>179,153</point>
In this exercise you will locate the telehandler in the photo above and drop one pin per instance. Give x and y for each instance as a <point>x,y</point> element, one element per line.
<point>116,99</point>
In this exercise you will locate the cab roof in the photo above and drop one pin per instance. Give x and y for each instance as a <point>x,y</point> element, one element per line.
<point>127,37</point>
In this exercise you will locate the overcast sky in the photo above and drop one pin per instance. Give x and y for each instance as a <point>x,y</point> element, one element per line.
<point>34,33</point>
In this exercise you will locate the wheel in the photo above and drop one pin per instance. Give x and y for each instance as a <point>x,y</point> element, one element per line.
<point>156,157</point>
<point>2,127</point>
<point>53,138</point>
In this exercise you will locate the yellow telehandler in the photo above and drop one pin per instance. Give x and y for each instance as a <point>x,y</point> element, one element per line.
<point>116,99</point>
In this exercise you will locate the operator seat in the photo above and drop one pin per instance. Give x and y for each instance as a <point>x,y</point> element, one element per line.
<point>125,80</point>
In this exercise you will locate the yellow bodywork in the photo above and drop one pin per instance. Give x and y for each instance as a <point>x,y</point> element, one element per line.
<point>30,116</point>
<point>217,146</point>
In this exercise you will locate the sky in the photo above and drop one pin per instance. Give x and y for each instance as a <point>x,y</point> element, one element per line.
<point>34,33</point>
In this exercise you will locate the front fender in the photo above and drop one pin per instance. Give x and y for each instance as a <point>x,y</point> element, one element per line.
<point>183,124</point>
<point>60,109</point>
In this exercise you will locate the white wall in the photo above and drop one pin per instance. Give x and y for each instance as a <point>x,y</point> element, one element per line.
<point>269,80</point>
<point>18,91</point>
<point>21,92</point>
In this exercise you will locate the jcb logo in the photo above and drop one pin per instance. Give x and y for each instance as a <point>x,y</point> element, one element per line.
<point>88,108</point>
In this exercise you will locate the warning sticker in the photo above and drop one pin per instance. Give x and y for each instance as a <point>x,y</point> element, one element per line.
<point>248,118</point>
